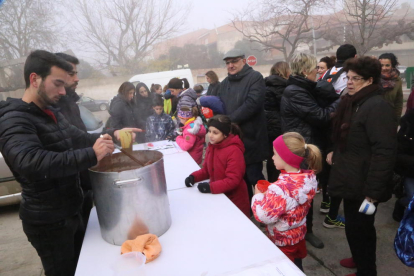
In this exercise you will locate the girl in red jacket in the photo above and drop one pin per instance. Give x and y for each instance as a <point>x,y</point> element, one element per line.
<point>223,164</point>
<point>194,133</point>
<point>285,204</point>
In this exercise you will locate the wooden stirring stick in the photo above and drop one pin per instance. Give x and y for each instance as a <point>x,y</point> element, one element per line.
<point>129,155</point>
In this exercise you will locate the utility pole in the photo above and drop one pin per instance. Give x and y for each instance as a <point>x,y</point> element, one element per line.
<point>313,33</point>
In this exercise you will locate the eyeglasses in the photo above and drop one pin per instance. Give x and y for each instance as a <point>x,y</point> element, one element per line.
<point>233,61</point>
<point>354,79</point>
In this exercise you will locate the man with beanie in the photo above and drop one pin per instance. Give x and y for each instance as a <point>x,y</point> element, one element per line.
<point>343,53</point>
<point>243,93</point>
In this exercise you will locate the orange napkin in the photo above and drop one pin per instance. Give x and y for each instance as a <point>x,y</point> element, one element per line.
<point>147,244</point>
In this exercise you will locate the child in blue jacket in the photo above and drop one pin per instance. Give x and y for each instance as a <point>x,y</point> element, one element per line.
<point>160,126</point>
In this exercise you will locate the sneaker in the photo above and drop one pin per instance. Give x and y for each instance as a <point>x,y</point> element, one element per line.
<point>325,207</point>
<point>339,222</point>
<point>318,190</point>
<point>348,263</point>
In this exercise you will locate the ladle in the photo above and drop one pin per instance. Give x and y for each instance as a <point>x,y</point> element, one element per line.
<point>129,155</point>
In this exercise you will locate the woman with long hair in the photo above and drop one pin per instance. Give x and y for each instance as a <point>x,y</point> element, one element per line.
<point>214,86</point>
<point>123,110</point>
<point>391,82</point>
<point>275,85</point>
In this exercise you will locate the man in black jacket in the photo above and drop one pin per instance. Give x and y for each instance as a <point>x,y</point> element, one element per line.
<point>243,94</point>
<point>70,109</point>
<point>37,143</point>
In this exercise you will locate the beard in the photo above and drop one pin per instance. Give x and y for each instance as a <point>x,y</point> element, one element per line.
<point>44,97</point>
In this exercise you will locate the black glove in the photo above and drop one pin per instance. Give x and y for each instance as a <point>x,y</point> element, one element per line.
<point>189,181</point>
<point>204,187</point>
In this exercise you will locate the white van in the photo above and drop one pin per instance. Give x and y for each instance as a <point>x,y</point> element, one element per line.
<point>162,78</point>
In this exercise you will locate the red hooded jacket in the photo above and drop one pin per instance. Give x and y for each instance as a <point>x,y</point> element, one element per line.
<point>224,165</point>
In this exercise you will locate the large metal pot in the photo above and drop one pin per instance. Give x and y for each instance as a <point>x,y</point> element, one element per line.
<point>131,200</point>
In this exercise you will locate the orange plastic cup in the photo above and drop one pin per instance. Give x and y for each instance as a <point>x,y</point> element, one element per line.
<point>262,185</point>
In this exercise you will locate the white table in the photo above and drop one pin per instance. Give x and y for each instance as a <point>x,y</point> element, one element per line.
<point>209,235</point>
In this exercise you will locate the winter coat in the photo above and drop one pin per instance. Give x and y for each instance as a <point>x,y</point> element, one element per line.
<point>405,154</point>
<point>159,127</point>
<point>275,85</point>
<point>126,114</point>
<point>193,139</point>
<point>224,166</point>
<point>395,97</point>
<point>144,105</point>
<point>213,89</point>
<point>187,98</point>
<point>301,113</point>
<point>243,95</point>
<point>40,153</point>
<point>70,109</point>
<point>364,168</point>
<point>284,206</point>
<point>214,103</point>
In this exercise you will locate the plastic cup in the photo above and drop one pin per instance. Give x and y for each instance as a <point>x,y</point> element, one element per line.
<point>129,264</point>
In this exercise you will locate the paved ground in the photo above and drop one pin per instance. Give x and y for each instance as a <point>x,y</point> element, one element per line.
<point>17,256</point>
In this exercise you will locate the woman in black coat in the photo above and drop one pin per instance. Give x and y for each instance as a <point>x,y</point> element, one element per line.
<point>123,110</point>
<point>143,100</point>
<point>364,136</point>
<point>302,113</point>
<point>214,86</point>
<point>275,85</point>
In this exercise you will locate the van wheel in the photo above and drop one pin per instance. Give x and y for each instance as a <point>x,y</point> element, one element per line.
<point>103,107</point>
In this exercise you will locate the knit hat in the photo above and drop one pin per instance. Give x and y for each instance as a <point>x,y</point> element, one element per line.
<point>284,152</point>
<point>223,127</point>
<point>184,114</point>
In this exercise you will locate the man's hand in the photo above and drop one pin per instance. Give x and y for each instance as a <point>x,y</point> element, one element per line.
<point>329,158</point>
<point>131,129</point>
<point>371,199</point>
<point>103,146</point>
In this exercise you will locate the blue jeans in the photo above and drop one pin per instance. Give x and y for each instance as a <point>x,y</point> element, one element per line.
<point>409,191</point>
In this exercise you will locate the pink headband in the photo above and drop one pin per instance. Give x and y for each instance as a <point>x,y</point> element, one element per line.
<point>289,157</point>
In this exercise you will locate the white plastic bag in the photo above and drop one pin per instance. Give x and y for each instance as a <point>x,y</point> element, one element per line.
<point>129,264</point>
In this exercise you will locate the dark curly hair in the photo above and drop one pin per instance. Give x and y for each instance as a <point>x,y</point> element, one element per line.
<point>367,67</point>
<point>390,56</point>
<point>330,61</point>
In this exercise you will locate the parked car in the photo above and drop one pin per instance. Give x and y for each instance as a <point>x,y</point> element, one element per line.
<point>93,105</point>
<point>10,190</point>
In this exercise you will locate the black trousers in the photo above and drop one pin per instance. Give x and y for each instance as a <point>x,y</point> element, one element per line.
<point>252,175</point>
<point>58,244</point>
<point>362,238</point>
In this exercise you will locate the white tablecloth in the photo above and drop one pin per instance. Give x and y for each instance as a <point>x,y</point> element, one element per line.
<point>209,235</point>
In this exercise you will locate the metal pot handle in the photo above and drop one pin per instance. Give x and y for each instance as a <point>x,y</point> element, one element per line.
<point>128,182</point>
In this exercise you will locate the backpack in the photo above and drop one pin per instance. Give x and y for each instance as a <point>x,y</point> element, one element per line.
<point>404,240</point>
<point>326,83</point>
<point>325,88</point>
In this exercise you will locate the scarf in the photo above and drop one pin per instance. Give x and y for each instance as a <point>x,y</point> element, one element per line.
<point>388,80</point>
<point>343,115</point>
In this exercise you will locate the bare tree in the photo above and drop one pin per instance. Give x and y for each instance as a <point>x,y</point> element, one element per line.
<point>26,25</point>
<point>370,23</point>
<point>279,24</point>
<point>121,32</point>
